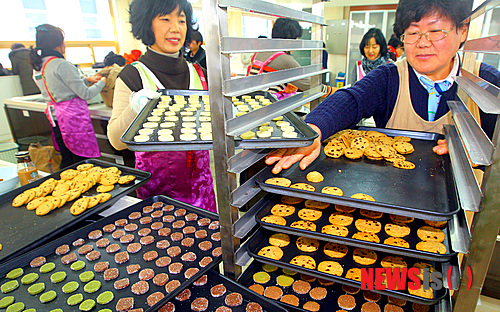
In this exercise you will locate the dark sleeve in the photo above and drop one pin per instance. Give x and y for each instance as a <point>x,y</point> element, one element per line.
<point>374,95</point>
<point>492,75</point>
<point>131,77</point>
<point>203,63</point>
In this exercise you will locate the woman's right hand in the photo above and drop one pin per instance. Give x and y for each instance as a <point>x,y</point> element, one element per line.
<point>104,79</point>
<point>286,157</point>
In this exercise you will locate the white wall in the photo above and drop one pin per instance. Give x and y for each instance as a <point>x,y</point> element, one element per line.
<point>125,39</point>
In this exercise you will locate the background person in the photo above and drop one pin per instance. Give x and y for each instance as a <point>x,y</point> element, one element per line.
<point>196,53</point>
<point>396,47</point>
<point>410,94</point>
<point>19,57</point>
<point>163,27</point>
<point>373,48</point>
<point>66,94</point>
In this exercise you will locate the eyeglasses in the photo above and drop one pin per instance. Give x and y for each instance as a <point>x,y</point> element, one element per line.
<point>431,35</point>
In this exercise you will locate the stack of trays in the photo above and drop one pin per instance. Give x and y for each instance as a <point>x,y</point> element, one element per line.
<point>215,292</point>
<point>300,292</point>
<point>140,257</point>
<point>21,229</point>
<point>396,229</point>
<point>181,120</point>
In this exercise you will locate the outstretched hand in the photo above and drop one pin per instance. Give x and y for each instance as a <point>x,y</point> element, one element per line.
<point>286,157</point>
<point>441,148</point>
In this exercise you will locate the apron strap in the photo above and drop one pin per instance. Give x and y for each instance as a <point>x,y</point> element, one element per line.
<point>43,77</point>
<point>147,77</point>
<point>197,80</point>
<point>49,109</point>
<point>263,65</point>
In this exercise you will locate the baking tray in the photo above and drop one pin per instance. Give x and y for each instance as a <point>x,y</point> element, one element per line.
<point>305,134</point>
<point>270,200</point>
<point>47,251</point>
<point>214,278</point>
<point>329,303</point>
<point>261,239</point>
<point>426,192</point>
<point>21,229</point>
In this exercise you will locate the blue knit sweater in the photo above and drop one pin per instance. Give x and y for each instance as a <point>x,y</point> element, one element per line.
<point>375,95</point>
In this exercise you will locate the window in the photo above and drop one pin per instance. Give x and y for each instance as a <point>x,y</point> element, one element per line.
<point>86,23</point>
<point>253,27</point>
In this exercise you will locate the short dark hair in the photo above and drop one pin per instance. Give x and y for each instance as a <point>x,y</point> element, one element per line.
<point>16,46</point>
<point>409,11</point>
<point>48,37</point>
<point>379,39</point>
<point>286,28</point>
<point>395,42</point>
<point>113,58</point>
<point>196,35</point>
<point>142,13</point>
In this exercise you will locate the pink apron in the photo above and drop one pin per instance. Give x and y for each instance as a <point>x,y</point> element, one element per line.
<point>73,119</point>
<point>183,175</point>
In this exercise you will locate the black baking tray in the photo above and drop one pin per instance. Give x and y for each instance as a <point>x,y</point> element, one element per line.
<point>47,251</point>
<point>21,229</point>
<point>270,200</point>
<point>215,278</point>
<point>426,192</point>
<point>305,134</point>
<point>261,239</point>
<point>329,303</point>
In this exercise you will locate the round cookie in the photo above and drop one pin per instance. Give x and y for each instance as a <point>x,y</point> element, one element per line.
<point>403,164</point>
<point>279,240</point>
<point>397,230</point>
<point>354,274</point>
<point>304,224</point>
<point>434,247</point>
<point>284,280</point>
<point>279,182</point>
<point>331,267</point>
<point>307,244</point>
<point>314,204</point>
<point>365,236</point>
<point>283,210</point>
<point>364,256</point>
<point>396,241</point>
<point>393,262</point>
<point>272,252</point>
<point>290,200</point>
<point>403,147</point>
<point>371,214</point>
<point>274,220</point>
<point>339,218</point>
<point>304,261</point>
<point>353,153</point>
<point>261,277</point>
<point>309,214</point>
<point>336,230</point>
<point>401,219</point>
<point>430,234</point>
<point>362,196</point>
<point>303,186</point>
<point>335,250</point>
<point>315,177</point>
<point>332,190</point>
<point>368,225</point>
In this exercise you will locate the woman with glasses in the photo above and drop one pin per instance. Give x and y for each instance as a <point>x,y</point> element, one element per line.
<point>410,94</point>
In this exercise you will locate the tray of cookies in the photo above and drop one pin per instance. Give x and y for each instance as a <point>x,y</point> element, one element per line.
<point>215,292</point>
<point>407,236</point>
<point>180,120</point>
<point>425,192</point>
<point>301,292</point>
<point>139,257</point>
<point>34,213</point>
<point>338,262</point>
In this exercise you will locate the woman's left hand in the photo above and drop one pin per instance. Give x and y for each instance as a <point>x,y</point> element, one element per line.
<point>441,148</point>
<point>94,79</point>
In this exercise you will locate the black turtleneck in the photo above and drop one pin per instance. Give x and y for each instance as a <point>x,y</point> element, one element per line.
<point>172,72</point>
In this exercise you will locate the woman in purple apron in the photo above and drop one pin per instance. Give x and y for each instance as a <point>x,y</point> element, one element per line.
<point>163,26</point>
<point>66,94</point>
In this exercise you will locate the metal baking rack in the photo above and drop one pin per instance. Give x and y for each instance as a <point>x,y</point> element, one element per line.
<point>30,231</point>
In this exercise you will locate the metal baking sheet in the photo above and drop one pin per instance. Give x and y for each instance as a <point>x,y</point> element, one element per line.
<point>214,278</point>
<point>21,229</point>
<point>47,251</point>
<point>305,134</point>
<point>261,239</point>
<point>426,192</point>
<point>329,303</point>
<point>270,200</point>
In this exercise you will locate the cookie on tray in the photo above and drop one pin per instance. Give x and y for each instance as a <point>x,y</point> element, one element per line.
<point>332,190</point>
<point>368,225</point>
<point>274,220</point>
<point>283,210</point>
<point>272,252</point>
<point>279,240</point>
<point>434,247</point>
<point>340,218</point>
<point>331,267</point>
<point>304,261</point>
<point>428,233</point>
<point>397,229</point>
<point>335,250</point>
<point>336,230</point>
<point>309,214</point>
<point>315,177</point>
<point>304,224</point>
<point>307,244</point>
<point>365,236</point>
<point>279,182</point>
<point>396,241</point>
<point>310,203</point>
<point>303,186</point>
<point>364,256</point>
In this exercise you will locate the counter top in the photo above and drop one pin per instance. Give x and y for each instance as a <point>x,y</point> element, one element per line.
<point>36,103</point>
